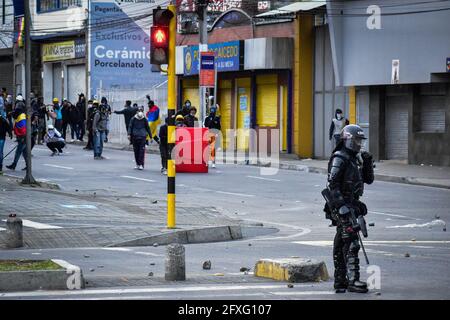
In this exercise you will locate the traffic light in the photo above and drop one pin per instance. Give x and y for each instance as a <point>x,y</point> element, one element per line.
<point>159,36</point>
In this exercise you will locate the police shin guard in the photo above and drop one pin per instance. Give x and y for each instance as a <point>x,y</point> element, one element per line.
<point>354,285</point>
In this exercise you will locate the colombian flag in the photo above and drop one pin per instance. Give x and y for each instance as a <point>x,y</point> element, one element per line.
<point>20,125</point>
<point>153,119</point>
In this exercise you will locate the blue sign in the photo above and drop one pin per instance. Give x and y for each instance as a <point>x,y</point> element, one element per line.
<point>226,53</point>
<point>119,53</point>
<point>207,62</point>
<point>448,64</point>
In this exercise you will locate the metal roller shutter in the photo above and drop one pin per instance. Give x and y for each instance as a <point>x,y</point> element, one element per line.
<point>6,75</point>
<point>76,76</point>
<point>225,108</point>
<point>397,127</point>
<point>432,107</point>
<point>267,100</point>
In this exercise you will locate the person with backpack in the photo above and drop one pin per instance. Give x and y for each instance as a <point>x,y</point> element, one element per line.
<point>99,128</point>
<point>81,107</point>
<point>137,134</point>
<point>57,109</point>
<point>74,119</point>
<point>105,106</point>
<point>163,146</point>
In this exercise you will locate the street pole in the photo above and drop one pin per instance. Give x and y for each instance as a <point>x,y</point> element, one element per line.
<point>203,33</point>
<point>171,105</point>
<point>28,177</point>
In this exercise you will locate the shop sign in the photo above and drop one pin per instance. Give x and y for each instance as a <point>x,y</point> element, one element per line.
<point>227,56</point>
<point>63,50</point>
<point>207,69</point>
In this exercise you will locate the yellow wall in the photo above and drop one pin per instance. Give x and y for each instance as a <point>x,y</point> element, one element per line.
<point>284,122</point>
<point>352,105</point>
<point>303,87</point>
<point>225,108</point>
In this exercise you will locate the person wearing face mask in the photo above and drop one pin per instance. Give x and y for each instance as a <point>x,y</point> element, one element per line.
<point>54,140</point>
<point>137,134</point>
<point>337,124</point>
<point>185,109</point>
<point>191,119</point>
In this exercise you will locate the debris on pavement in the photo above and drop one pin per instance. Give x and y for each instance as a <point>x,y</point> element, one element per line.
<point>290,285</point>
<point>407,255</point>
<point>207,265</point>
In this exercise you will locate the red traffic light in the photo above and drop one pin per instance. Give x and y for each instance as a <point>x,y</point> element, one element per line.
<point>160,37</point>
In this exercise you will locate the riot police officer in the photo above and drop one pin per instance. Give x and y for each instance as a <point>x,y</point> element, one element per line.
<point>348,170</point>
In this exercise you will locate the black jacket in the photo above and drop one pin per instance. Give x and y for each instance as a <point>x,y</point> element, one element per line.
<point>81,107</point>
<point>190,120</point>
<point>139,128</point>
<point>163,135</point>
<point>4,128</point>
<point>74,115</point>
<point>213,122</point>
<point>129,113</point>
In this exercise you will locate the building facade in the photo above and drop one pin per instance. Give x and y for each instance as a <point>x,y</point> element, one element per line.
<point>6,45</point>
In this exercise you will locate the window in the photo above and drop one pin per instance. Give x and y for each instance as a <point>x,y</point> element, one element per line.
<point>52,5</point>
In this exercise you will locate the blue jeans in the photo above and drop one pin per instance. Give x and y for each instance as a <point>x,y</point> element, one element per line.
<point>21,150</point>
<point>2,145</point>
<point>99,137</point>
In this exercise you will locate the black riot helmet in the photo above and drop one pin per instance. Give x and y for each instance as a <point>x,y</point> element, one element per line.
<point>352,135</point>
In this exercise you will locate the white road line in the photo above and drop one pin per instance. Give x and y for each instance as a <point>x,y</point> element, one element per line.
<point>56,166</point>
<point>302,293</point>
<point>87,292</point>
<point>236,194</point>
<point>302,232</point>
<point>136,178</point>
<point>149,254</point>
<point>261,178</point>
<point>37,225</point>
<point>291,209</point>
<point>325,243</point>
<point>116,249</point>
<point>393,215</point>
<point>2,229</point>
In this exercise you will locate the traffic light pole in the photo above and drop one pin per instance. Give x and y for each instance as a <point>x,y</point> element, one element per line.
<point>171,104</point>
<point>203,32</point>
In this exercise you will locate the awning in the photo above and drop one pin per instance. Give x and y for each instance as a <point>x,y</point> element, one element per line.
<point>293,8</point>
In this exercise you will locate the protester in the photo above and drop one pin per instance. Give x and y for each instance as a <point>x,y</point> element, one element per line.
<point>2,107</point>
<point>65,110</point>
<point>20,130</point>
<point>184,109</point>
<point>54,140</point>
<point>4,129</point>
<point>92,107</point>
<point>212,122</point>
<point>179,121</point>
<point>42,112</point>
<point>163,146</point>
<point>9,109</point>
<point>74,119</point>
<point>57,109</point>
<point>137,134</point>
<point>153,119</point>
<point>81,107</point>
<point>191,120</point>
<point>99,127</point>
<point>107,108</point>
<point>128,111</point>
<point>336,126</point>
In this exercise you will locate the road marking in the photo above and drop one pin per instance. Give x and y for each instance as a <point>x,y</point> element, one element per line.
<point>302,293</point>
<point>37,225</point>
<point>78,206</point>
<point>56,166</point>
<point>261,178</point>
<point>291,209</point>
<point>136,178</point>
<point>2,229</point>
<point>116,249</point>
<point>236,194</point>
<point>393,215</point>
<point>141,290</point>
<point>325,243</point>
<point>149,254</point>
<point>434,223</point>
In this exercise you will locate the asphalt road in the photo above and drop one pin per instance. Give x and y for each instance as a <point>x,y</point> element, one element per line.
<point>408,244</point>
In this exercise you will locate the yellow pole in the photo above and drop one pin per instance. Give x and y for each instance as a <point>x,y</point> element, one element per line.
<point>352,104</point>
<point>171,103</point>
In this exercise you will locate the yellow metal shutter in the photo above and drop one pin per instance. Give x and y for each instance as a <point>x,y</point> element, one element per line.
<point>190,92</point>
<point>225,108</point>
<point>243,112</point>
<point>267,100</point>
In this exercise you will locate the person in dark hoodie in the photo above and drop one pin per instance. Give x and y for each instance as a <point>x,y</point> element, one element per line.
<point>137,134</point>
<point>74,117</point>
<point>163,147</point>
<point>81,107</point>
<point>128,111</point>
<point>5,128</point>
<point>20,131</point>
<point>65,117</point>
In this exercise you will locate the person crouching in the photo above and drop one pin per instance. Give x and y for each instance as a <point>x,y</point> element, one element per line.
<point>54,140</point>
<point>137,134</point>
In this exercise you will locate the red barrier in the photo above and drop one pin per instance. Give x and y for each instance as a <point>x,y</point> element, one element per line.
<point>191,145</point>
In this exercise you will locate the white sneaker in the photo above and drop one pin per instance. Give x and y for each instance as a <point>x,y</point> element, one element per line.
<point>141,168</point>
<point>213,165</point>
<point>136,167</point>
<point>164,172</point>
<point>54,153</point>
<point>209,163</point>
<point>72,141</point>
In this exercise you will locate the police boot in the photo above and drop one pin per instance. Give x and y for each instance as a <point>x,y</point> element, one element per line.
<point>340,281</point>
<point>354,285</point>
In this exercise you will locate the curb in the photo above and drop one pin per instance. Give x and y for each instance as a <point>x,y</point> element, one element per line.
<point>69,278</point>
<point>201,235</point>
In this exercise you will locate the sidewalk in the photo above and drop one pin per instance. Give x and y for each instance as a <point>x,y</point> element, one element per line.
<point>386,170</point>
<point>56,219</point>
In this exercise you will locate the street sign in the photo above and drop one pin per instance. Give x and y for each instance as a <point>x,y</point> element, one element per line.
<point>207,69</point>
